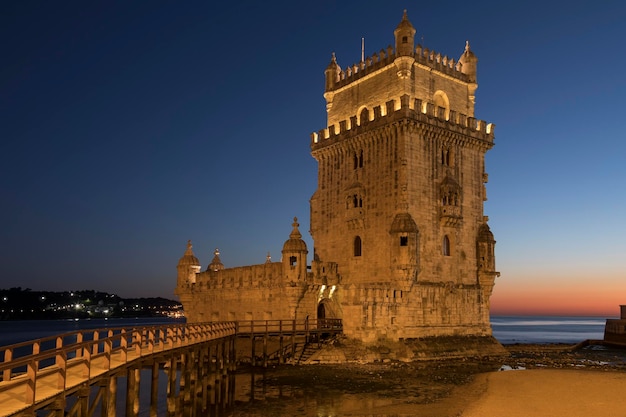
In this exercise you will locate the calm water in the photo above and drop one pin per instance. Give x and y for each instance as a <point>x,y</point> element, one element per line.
<point>547,329</point>
<point>507,329</point>
<point>20,331</point>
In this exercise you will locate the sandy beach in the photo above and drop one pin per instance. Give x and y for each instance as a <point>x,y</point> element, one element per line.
<point>546,392</point>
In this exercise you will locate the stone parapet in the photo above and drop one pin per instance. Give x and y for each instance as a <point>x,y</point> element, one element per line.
<point>400,109</point>
<point>378,60</point>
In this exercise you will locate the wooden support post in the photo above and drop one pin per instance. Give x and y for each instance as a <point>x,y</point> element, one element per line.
<point>281,354</point>
<point>171,386</point>
<point>205,359</point>
<point>132,392</point>
<point>185,386</point>
<point>110,401</point>
<point>154,390</point>
<point>293,343</point>
<point>57,408</point>
<point>83,400</point>
<point>265,350</point>
<point>253,353</point>
<point>197,383</point>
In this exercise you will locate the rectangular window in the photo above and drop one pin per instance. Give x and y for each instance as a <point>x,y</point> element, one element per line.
<point>404,240</point>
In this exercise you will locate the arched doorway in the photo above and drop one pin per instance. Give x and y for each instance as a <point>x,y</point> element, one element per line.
<point>321,311</point>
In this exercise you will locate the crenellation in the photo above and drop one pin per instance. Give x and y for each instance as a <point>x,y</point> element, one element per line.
<point>468,125</point>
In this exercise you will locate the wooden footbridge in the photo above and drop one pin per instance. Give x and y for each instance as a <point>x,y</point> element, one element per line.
<point>78,373</point>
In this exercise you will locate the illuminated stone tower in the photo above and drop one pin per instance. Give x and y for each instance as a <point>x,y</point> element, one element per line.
<point>402,248</point>
<point>399,204</point>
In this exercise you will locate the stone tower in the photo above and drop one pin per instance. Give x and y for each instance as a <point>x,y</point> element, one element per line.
<point>402,248</point>
<point>399,203</point>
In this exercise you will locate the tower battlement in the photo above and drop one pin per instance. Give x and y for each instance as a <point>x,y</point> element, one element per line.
<point>405,107</point>
<point>422,55</point>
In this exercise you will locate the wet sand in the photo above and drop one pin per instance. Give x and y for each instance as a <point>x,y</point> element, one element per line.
<point>536,380</point>
<point>547,392</point>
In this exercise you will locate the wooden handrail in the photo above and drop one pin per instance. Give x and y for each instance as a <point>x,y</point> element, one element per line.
<point>55,354</point>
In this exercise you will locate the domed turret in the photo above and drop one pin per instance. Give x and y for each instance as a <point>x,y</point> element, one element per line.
<point>469,63</point>
<point>405,37</point>
<point>188,259</point>
<point>294,256</point>
<point>332,73</point>
<point>405,47</point>
<point>295,242</point>
<point>188,266</point>
<point>216,264</point>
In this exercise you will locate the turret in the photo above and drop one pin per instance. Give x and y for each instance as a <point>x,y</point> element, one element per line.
<point>405,47</point>
<point>216,264</point>
<point>294,255</point>
<point>405,37</point>
<point>486,259</point>
<point>468,63</point>
<point>332,73</point>
<point>188,266</point>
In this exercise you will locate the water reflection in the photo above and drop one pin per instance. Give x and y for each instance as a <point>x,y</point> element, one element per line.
<point>381,391</point>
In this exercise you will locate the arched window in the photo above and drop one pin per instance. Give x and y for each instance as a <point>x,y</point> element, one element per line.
<point>357,246</point>
<point>446,246</point>
<point>441,104</point>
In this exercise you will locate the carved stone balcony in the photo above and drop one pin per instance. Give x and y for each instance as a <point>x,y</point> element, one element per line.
<point>450,216</point>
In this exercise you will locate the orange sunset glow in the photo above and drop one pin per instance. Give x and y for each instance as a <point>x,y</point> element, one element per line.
<point>555,297</point>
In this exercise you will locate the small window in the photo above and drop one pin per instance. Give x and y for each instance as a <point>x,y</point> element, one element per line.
<point>357,246</point>
<point>293,261</point>
<point>404,240</point>
<point>405,39</point>
<point>446,246</point>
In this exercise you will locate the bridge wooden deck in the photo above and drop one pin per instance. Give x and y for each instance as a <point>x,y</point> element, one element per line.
<point>38,373</point>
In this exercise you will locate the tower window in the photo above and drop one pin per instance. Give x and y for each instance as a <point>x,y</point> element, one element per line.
<point>447,157</point>
<point>405,39</point>
<point>293,261</point>
<point>357,246</point>
<point>358,160</point>
<point>404,240</point>
<point>446,246</point>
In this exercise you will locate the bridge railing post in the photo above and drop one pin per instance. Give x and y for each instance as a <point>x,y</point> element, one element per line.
<point>31,381</point>
<point>96,337</point>
<point>79,340</point>
<point>107,349</point>
<point>124,345</point>
<point>86,358</point>
<point>151,340</point>
<point>8,356</point>
<point>137,341</point>
<point>60,361</point>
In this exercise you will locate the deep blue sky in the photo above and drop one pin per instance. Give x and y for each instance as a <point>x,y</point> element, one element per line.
<point>130,127</point>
